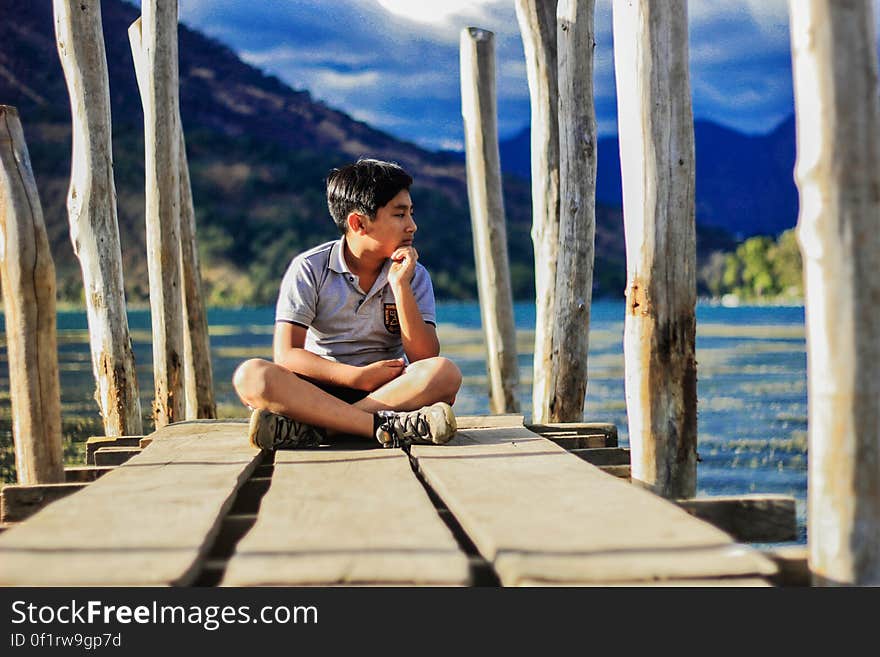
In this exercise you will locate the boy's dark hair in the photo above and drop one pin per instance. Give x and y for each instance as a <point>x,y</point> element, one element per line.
<point>363,187</point>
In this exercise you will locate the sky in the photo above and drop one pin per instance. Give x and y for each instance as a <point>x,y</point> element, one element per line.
<point>395,63</point>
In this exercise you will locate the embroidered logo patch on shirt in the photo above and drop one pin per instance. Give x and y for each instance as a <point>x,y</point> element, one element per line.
<point>392,323</point>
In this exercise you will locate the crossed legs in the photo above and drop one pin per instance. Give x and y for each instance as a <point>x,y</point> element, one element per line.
<point>264,385</point>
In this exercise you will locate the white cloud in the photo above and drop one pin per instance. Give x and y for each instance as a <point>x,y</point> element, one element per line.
<point>436,13</point>
<point>330,82</point>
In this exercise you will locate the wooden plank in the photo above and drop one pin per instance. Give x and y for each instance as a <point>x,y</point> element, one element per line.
<point>734,582</point>
<point>487,421</point>
<point>346,516</point>
<point>576,428</point>
<point>619,471</point>
<point>148,523</point>
<point>569,441</point>
<point>540,514</point>
<point>748,518</point>
<point>145,441</point>
<point>793,564</point>
<point>95,443</point>
<point>108,456</point>
<point>599,456</point>
<point>20,501</point>
<point>84,473</point>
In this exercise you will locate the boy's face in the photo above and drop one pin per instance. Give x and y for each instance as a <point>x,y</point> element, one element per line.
<point>392,228</point>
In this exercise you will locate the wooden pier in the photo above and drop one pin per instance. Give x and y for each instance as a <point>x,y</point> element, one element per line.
<point>504,503</point>
<point>499,505</point>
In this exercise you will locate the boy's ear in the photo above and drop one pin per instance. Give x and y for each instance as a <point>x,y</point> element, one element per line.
<point>356,222</point>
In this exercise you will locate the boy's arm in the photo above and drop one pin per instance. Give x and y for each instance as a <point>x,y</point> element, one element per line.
<point>288,352</point>
<point>418,336</point>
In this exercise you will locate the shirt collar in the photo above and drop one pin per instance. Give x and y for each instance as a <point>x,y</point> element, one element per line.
<point>337,264</point>
<point>337,257</point>
<point>382,279</point>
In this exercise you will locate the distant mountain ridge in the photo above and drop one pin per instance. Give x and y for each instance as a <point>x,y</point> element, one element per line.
<point>258,153</point>
<point>744,183</point>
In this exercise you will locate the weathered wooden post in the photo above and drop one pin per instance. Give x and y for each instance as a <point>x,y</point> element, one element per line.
<point>479,111</point>
<point>159,93</point>
<point>198,373</point>
<point>838,176</point>
<point>657,162</point>
<point>28,278</point>
<point>537,23</point>
<point>577,210</point>
<point>198,376</point>
<point>91,208</point>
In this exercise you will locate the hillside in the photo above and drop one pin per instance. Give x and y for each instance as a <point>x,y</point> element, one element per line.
<point>745,183</point>
<point>258,153</point>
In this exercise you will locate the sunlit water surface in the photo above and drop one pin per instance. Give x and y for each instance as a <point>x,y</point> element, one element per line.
<point>752,411</point>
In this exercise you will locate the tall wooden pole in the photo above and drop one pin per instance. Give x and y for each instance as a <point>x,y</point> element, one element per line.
<point>198,376</point>
<point>91,208</point>
<point>537,23</point>
<point>577,210</point>
<point>198,373</point>
<point>162,146</point>
<point>838,176</point>
<point>479,111</point>
<point>28,278</point>
<point>657,162</point>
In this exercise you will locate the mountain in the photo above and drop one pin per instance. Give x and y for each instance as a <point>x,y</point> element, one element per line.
<point>744,183</point>
<point>258,153</point>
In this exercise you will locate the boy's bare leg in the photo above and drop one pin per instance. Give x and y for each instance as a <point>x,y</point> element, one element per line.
<point>424,382</point>
<point>267,386</point>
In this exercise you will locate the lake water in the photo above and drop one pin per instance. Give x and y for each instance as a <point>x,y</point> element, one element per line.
<point>752,409</point>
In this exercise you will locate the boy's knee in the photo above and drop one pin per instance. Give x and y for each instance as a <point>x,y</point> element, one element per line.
<point>450,374</point>
<point>249,380</point>
<point>443,376</point>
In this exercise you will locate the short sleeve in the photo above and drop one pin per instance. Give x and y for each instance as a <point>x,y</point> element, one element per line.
<point>423,291</point>
<point>298,297</point>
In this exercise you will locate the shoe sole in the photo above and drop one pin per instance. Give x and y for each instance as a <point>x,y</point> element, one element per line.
<point>253,426</point>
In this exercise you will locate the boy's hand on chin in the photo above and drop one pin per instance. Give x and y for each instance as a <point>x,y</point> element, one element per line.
<point>403,266</point>
<point>375,375</point>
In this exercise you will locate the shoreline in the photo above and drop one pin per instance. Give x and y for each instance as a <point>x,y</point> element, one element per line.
<point>67,307</point>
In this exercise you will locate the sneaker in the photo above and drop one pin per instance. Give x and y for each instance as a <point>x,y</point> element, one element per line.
<point>429,425</point>
<point>272,431</point>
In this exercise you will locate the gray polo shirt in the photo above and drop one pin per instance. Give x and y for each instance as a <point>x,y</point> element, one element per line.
<point>345,323</point>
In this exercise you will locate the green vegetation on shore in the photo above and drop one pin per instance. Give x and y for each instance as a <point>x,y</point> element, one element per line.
<point>760,270</point>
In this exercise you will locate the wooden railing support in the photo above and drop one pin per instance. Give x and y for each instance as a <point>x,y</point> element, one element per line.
<point>838,176</point>
<point>577,210</point>
<point>537,23</point>
<point>159,93</point>
<point>91,208</point>
<point>657,162</point>
<point>198,375</point>
<point>479,111</point>
<point>28,278</point>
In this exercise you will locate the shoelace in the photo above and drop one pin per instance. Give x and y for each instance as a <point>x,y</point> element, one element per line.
<point>401,428</point>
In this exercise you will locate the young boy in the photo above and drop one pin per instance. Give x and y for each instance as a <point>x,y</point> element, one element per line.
<point>355,345</point>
